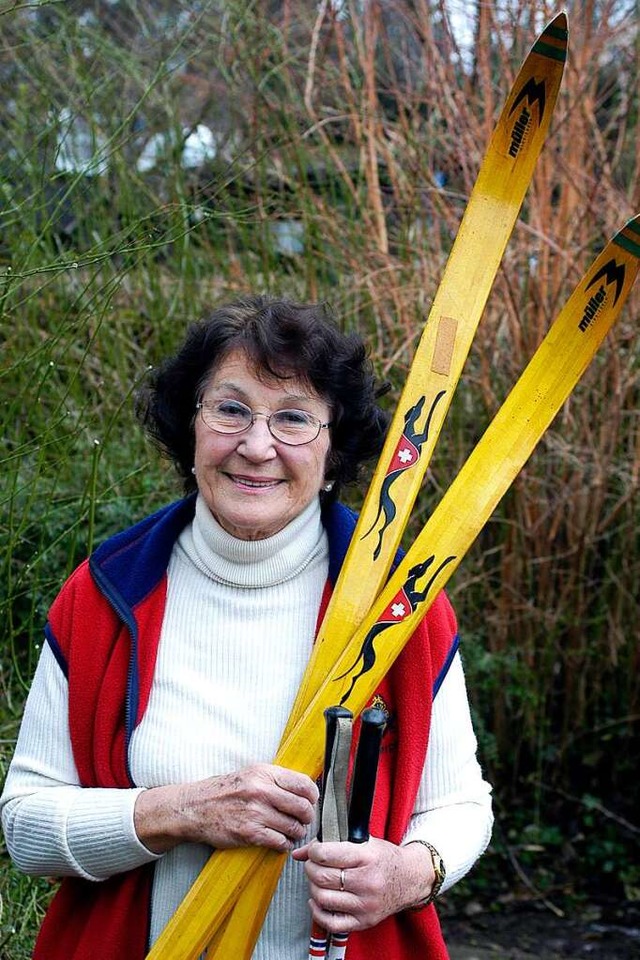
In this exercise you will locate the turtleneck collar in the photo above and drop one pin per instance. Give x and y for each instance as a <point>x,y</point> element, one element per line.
<point>254,563</point>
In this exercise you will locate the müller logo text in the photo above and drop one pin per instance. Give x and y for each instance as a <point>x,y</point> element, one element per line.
<point>612,272</point>
<point>532,92</point>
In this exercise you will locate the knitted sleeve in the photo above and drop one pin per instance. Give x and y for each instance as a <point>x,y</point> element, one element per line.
<point>53,826</point>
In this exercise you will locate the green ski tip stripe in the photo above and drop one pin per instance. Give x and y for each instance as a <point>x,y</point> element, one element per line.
<point>628,244</point>
<point>633,225</point>
<point>546,50</point>
<point>558,33</point>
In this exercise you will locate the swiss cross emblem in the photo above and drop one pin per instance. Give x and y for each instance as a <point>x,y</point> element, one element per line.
<point>405,455</point>
<point>397,610</point>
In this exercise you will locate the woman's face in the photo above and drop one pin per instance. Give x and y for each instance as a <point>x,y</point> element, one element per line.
<point>253,484</point>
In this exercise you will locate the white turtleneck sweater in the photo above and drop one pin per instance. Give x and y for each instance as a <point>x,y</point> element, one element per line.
<point>239,624</point>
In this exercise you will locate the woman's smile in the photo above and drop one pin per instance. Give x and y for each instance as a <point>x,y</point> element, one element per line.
<point>254,481</point>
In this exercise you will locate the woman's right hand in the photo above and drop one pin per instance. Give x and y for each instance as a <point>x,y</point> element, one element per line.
<point>262,805</point>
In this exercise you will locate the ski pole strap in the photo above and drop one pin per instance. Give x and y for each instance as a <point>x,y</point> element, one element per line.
<point>333,809</point>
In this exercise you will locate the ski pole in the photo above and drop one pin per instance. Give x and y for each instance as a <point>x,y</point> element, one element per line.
<point>363,785</point>
<point>333,818</point>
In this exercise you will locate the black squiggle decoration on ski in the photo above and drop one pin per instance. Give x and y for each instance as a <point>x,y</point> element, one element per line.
<point>403,604</point>
<point>406,454</point>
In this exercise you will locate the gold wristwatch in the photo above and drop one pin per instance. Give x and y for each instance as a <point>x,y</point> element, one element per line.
<point>440,873</point>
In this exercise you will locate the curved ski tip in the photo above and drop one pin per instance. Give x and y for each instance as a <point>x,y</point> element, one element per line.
<point>629,237</point>
<point>559,22</point>
<point>633,224</point>
<point>554,39</point>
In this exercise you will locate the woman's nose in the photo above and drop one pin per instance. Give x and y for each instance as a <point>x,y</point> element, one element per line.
<point>256,442</point>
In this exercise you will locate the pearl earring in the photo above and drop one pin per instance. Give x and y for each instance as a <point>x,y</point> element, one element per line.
<point>193,471</point>
<point>328,486</point>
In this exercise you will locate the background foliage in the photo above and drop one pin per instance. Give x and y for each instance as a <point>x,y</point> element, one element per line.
<point>159,157</point>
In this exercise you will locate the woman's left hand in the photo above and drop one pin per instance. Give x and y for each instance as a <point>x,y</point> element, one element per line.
<point>354,886</point>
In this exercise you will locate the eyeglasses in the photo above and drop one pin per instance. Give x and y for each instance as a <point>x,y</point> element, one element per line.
<point>293,427</point>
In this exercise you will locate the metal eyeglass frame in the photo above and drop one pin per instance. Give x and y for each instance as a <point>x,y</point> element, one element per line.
<point>201,406</point>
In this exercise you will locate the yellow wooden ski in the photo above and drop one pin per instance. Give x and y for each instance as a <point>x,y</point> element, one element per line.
<point>536,398</point>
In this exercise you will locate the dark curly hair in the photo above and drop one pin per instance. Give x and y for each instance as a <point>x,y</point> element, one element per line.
<point>284,340</point>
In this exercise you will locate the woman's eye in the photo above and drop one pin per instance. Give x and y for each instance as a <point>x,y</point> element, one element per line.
<point>230,408</point>
<point>294,418</point>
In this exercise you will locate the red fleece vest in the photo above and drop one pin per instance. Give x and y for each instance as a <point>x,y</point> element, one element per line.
<point>110,920</point>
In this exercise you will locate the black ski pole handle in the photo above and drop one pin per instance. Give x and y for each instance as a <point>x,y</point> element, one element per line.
<point>365,771</point>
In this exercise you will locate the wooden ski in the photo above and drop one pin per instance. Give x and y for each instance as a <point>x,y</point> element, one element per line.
<point>507,443</point>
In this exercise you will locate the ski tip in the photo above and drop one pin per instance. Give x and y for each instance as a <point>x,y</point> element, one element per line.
<point>554,39</point>
<point>559,21</point>
<point>629,237</point>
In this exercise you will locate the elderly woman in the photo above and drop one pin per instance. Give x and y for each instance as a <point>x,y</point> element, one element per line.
<point>175,652</point>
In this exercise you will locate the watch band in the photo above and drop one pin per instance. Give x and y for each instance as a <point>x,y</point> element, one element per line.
<point>440,874</point>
